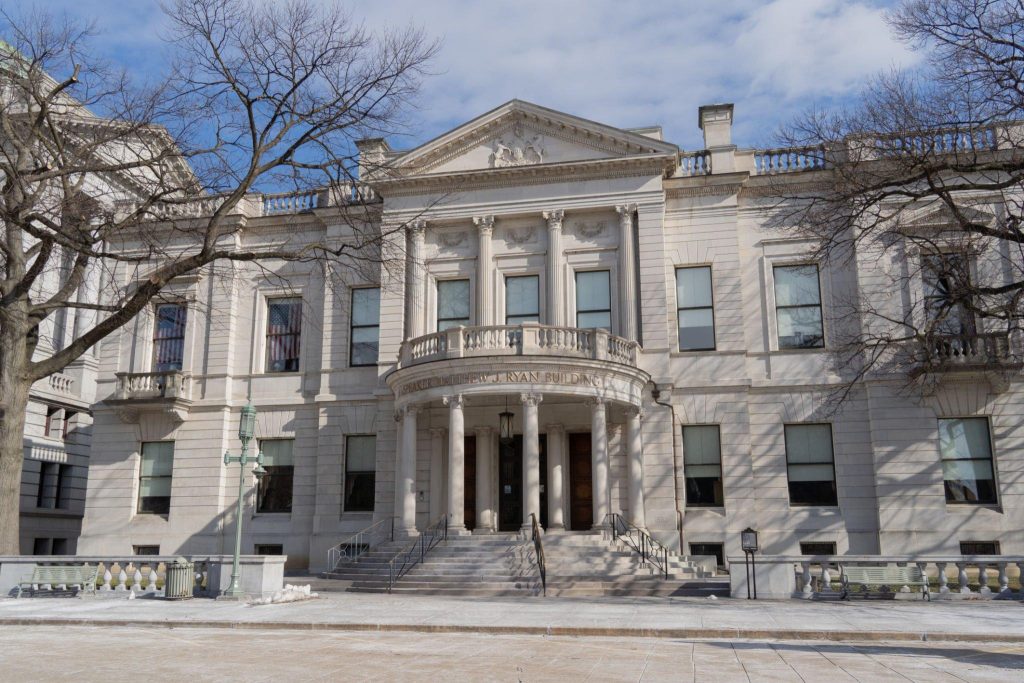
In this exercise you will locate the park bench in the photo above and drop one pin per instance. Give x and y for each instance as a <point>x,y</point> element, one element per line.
<point>67,575</point>
<point>892,576</point>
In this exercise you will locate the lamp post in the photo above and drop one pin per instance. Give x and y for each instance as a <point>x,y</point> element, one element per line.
<point>246,431</point>
<point>748,542</point>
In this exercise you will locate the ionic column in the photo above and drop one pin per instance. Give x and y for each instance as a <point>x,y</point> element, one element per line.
<point>417,280</point>
<point>556,498</point>
<point>599,460</point>
<point>405,486</point>
<point>556,310</point>
<point>456,465</point>
<point>627,272</point>
<point>635,467</point>
<point>531,458</point>
<point>437,499</point>
<point>484,459</point>
<point>484,271</point>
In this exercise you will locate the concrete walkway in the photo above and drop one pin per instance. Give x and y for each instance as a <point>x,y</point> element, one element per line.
<point>988,621</point>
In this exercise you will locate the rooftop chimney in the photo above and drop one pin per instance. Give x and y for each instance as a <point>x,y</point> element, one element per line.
<point>716,122</point>
<point>373,153</point>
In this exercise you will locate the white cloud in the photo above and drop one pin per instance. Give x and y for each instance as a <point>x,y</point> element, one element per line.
<point>625,64</point>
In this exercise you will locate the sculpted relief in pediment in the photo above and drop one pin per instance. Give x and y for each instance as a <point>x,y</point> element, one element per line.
<point>517,148</point>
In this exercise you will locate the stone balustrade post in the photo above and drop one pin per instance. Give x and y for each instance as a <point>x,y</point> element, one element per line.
<point>961,577</point>
<point>455,337</point>
<point>530,338</point>
<point>1004,579</point>
<point>808,580</point>
<point>983,579</point>
<point>601,344</point>
<point>943,579</point>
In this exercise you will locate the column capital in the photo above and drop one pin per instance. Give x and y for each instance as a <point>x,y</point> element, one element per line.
<point>530,399</point>
<point>595,401</point>
<point>625,211</point>
<point>485,224</point>
<point>554,428</point>
<point>554,218</point>
<point>634,411</point>
<point>410,409</point>
<point>416,227</point>
<point>454,401</point>
<point>483,431</point>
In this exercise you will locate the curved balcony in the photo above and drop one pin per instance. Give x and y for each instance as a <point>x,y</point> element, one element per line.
<point>527,339</point>
<point>168,392</point>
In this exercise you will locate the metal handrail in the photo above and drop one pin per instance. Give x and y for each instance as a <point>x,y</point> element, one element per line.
<point>415,552</point>
<point>355,545</point>
<point>650,551</point>
<point>538,548</point>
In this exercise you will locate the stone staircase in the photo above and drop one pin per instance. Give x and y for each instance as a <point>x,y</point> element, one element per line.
<point>578,565</point>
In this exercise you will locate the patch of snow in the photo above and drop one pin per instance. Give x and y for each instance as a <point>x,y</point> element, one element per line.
<point>289,593</point>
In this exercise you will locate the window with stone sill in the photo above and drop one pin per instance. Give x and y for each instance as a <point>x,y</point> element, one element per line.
<point>364,344</point>
<point>810,464</point>
<point>155,477</point>
<point>284,334</point>
<point>452,304</point>
<point>268,549</point>
<point>145,550</point>
<point>695,311</point>
<point>817,548</point>
<point>53,491</point>
<point>702,466</point>
<point>715,549</point>
<point>522,299</point>
<point>965,450</point>
<point>274,490</point>
<point>979,548</point>
<point>943,275</point>
<point>594,299</point>
<point>169,337</point>
<point>360,472</point>
<point>798,307</point>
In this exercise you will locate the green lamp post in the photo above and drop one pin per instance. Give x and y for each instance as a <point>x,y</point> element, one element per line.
<point>246,431</point>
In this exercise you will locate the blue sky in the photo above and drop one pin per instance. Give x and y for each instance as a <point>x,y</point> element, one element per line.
<point>622,63</point>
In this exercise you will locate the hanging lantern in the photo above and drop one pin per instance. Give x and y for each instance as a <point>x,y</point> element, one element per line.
<point>505,425</point>
<point>247,422</point>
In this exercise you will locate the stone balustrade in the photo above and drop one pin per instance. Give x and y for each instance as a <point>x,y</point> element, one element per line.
<point>694,163</point>
<point>789,160</point>
<point>965,576</point>
<point>528,339</point>
<point>153,385</point>
<point>970,351</point>
<point>292,202</point>
<point>61,383</point>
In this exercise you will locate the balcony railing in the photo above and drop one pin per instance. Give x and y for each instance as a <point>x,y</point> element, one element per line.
<point>153,385</point>
<point>977,351</point>
<point>528,339</point>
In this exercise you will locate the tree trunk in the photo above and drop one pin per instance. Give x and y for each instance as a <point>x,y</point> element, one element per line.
<point>14,392</point>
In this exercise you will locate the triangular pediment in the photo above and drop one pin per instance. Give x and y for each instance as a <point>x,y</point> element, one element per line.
<point>522,134</point>
<point>941,216</point>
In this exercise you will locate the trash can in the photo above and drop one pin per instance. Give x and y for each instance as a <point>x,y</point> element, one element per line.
<point>180,579</point>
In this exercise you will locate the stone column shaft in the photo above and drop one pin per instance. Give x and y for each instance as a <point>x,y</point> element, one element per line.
<point>627,272</point>
<point>531,458</point>
<point>437,496</point>
<point>485,271</point>
<point>555,299</point>
<point>456,465</point>
<point>484,462</point>
<point>417,281</point>
<point>635,468</point>
<point>556,496</point>
<point>406,485</point>
<point>599,461</point>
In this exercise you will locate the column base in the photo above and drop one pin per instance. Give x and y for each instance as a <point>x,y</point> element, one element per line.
<point>458,531</point>
<point>406,533</point>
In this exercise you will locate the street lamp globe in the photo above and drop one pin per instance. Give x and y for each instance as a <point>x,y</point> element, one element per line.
<point>247,423</point>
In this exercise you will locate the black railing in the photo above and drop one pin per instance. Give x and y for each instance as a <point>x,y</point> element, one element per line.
<point>414,553</point>
<point>538,548</point>
<point>650,551</point>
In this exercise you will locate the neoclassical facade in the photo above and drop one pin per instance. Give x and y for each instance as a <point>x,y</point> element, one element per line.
<point>583,320</point>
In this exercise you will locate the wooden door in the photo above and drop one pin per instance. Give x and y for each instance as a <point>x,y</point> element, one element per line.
<point>581,488</point>
<point>510,485</point>
<point>469,497</point>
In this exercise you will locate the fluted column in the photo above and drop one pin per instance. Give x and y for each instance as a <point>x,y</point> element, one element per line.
<point>627,272</point>
<point>531,458</point>
<point>635,467</point>
<point>556,496</point>
<point>484,271</point>
<point>599,460</point>
<point>555,299</point>
<point>405,489</point>
<point>456,465</point>
<point>417,280</point>
<point>484,463</point>
<point>437,498</point>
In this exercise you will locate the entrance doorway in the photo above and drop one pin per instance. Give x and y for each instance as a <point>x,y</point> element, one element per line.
<point>469,483</point>
<point>581,490</point>
<point>510,484</point>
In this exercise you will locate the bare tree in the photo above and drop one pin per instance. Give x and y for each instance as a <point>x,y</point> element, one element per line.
<point>918,188</point>
<point>100,176</point>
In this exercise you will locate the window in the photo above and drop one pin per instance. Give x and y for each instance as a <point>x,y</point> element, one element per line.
<point>594,299</point>
<point>65,429</point>
<point>522,299</point>
<point>810,464</point>
<point>169,337</point>
<point>702,465</point>
<point>274,492</point>
<point>59,547</point>
<point>52,427</point>
<point>41,546</point>
<point>817,548</point>
<point>53,486</point>
<point>452,303</point>
<point>284,327</point>
<point>269,549</point>
<point>943,276</point>
<point>145,550</point>
<point>695,309</point>
<point>360,477</point>
<point>715,549</point>
<point>155,477</point>
<point>798,307</point>
<point>979,548</point>
<point>365,337</point>
<point>966,453</point>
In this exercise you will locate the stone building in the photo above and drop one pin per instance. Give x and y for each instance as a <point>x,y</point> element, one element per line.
<point>617,307</point>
